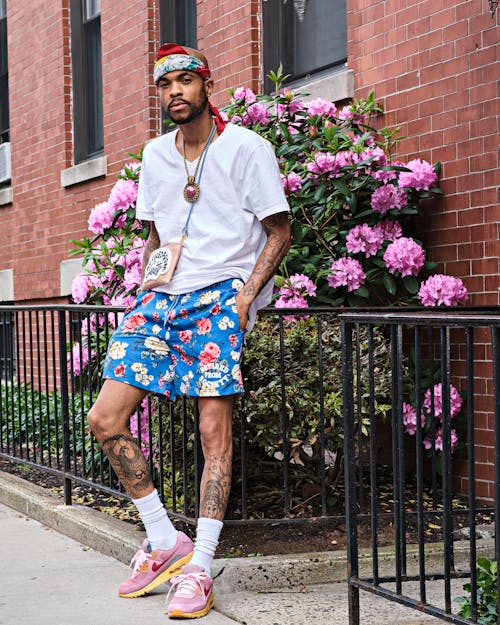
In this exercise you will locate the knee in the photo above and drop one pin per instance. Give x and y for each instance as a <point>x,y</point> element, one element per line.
<point>216,437</point>
<point>101,424</point>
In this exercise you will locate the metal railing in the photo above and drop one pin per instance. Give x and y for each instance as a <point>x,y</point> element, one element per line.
<point>455,448</point>
<point>284,444</point>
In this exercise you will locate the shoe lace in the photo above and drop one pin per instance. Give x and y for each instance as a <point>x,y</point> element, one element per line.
<point>187,584</point>
<point>138,560</point>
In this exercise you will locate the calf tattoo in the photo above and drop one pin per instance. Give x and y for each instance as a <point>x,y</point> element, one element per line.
<point>215,489</point>
<point>128,462</point>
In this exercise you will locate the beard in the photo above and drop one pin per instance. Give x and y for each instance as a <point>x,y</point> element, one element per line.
<point>194,110</point>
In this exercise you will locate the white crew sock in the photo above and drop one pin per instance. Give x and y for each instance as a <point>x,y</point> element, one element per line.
<point>159,528</point>
<point>207,539</point>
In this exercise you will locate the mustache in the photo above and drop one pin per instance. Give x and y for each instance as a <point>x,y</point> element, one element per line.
<point>177,101</point>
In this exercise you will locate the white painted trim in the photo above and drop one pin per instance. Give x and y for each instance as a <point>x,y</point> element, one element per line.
<point>68,270</point>
<point>93,168</point>
<point>7,285</point>
<point>335,86</point>
<point>5,196</point>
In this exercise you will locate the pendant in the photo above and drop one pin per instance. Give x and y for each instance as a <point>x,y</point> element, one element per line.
<point>191,190</point>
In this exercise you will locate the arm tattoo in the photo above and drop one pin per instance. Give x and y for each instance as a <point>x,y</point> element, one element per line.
<point>129,463</point>
<point>152,244</point>
<point>215,490</point>
<point>277,245</point>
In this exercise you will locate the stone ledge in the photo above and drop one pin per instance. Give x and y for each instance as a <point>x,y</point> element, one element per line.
<point>336,86</point>
<point>5,196</point>
<point>120,540</point>
<point>93,168</point>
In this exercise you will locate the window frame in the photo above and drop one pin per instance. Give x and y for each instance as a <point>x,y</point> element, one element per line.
<point>88,127</point>
<point>277,43</point>
<point>4,83</point>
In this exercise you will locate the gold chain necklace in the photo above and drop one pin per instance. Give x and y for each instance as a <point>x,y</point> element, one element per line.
<point>192,188</point>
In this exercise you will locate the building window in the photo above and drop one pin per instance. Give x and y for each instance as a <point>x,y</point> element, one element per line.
<point>177,25</point>
<point>178,22</point>
<point>4,75</point>
<point>88,130</point>
<point>304,36</point>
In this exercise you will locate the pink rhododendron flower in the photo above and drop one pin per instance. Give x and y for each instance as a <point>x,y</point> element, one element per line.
<point>455,401</point>
<point>410,419</point>
<point>364,239</point>
<point>442,290</point>
<point>389,230</point>
<point>294,292</point>
<point>100,218</point>
<point>421,177</point>
<point>375,155</point>
<point>321,106</point>
<point>439,440</point>
<point>123,195</point>
<point>388,197</point>
<point>75,363</point>
<point>323,163</point>
<point>245,94</point>
<point>292,182</point>
<point>346,272</point>
<point>80,287</point>
<point>256,114</point>
<point>293,106</point>
<point>404,255</point>
<point>349,113</point>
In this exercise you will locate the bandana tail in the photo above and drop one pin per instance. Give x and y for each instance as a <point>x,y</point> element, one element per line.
<point>219,121</point>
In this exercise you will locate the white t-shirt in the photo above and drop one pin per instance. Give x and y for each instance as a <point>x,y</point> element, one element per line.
<point>240,185</point>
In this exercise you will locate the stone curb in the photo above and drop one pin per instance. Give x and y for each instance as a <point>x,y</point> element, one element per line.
<point>119,540</point>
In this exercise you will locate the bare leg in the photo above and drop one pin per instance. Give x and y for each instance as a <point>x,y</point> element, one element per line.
<point>217,444</point>
<point>109,420</point>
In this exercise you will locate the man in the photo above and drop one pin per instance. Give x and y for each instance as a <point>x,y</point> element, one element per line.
<point>186,337</point>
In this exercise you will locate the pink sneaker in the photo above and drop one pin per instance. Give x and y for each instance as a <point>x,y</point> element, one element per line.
<point>152,568</point>
<point>194,596</point>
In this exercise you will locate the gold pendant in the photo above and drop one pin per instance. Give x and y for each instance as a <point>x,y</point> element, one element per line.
<point>191,190</point>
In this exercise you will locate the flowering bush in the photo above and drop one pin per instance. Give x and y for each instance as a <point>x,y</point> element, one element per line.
<point>431,417</point>
<point>351,202</point>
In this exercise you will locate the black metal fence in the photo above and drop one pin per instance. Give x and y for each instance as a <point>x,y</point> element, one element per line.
<point>419,486</point>
<point>455,450</point>
<point>288,441</point>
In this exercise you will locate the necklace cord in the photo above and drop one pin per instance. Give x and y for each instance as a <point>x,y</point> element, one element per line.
<point>200,165</point>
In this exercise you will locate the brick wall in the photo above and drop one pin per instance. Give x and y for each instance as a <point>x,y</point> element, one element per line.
<point>229,35</point>
<point>44,217</point>
<point>434,66</point>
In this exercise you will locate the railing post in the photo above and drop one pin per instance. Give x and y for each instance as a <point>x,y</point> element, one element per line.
<point>495,340</point>
<point>63,380</point>
<point>350,472</point>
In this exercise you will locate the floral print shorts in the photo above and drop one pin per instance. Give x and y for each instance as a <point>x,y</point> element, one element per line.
<point>180,344</point>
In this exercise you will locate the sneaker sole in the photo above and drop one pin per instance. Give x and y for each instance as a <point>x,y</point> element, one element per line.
<point>206,610</point>
<point>162,578</point>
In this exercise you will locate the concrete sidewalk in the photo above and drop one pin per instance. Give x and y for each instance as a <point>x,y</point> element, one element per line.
<point>48,577</point>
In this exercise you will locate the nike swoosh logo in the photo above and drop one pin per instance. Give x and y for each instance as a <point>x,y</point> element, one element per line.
<point>158,565</point>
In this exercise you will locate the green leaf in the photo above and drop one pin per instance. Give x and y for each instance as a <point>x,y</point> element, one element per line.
<point>389,284</point>
<point>411,284</point>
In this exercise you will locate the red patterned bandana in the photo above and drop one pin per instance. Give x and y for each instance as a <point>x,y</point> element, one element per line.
<point>172,57</point>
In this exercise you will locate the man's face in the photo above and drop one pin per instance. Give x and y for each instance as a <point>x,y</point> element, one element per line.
<point>183,95</point>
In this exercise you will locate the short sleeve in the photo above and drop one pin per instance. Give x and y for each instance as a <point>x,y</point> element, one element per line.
<point>262,189</point>
<point>143,209</point>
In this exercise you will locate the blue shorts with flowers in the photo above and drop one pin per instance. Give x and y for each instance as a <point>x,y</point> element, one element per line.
<point>180,344</point>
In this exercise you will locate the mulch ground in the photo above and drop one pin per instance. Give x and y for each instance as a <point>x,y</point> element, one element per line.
<point>252,540</point>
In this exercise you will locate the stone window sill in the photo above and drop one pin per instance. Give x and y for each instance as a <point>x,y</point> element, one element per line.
<point>88,170</point>
<point>5,196</point>
<point>336,85</point>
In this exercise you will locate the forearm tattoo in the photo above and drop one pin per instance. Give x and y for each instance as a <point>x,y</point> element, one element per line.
<point>215,486</point>
<point>129,463</point>
<point>152,244</point>
<point>277,245</point>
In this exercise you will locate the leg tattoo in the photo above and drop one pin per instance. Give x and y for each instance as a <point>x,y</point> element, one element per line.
<point>216,484</point>
<point>129,463</point>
